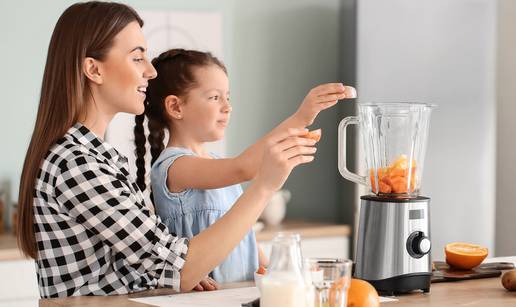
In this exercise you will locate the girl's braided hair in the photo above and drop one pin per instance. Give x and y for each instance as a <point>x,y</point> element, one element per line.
<point>175,77</point>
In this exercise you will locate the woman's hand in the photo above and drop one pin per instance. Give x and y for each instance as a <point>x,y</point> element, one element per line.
<point>320,98</point>
<point>207,284</point>
<point>284,150</point>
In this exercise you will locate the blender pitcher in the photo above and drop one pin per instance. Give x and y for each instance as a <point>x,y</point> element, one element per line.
<point>394,136</point>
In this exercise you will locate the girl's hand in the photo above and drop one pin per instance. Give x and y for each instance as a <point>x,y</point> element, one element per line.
<point>320,98</point>
<point>284,150</point>
<point>207,284</point>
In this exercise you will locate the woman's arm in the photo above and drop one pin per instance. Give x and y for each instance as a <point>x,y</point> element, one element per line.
<point>200,173</point>
<point>207,249</point>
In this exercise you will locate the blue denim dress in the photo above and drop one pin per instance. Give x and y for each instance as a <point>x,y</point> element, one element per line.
<point>189,212</point>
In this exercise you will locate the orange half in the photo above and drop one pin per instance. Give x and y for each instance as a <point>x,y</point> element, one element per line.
<point>464,255</point>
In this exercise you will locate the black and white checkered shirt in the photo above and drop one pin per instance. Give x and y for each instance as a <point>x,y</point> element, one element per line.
<point>94,233</point>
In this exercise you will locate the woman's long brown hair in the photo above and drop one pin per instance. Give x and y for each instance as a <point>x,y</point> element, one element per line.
<point>83,30</point>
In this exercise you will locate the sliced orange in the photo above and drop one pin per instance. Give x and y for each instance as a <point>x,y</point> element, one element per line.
<point>464,255</point>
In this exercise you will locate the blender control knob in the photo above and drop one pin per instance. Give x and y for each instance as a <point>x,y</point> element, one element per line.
<point>418,244</point>
<point>424,245</point>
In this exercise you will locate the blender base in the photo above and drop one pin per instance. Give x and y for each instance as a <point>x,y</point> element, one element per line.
<point>402,284</point>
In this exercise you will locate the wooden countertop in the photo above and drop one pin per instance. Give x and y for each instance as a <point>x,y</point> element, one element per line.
<point>471,293</point>
<point>9,249</point>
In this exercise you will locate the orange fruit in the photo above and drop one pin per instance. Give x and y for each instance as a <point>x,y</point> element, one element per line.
<point>362,294</point>
<point>464,255</point>
<point>314,135</point>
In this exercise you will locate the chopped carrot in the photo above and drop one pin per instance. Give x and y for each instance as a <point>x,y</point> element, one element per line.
<point>395,177</point>
<point>399,185</point>
<point>261,270</point>
<point>314,135</point>
<point>385,188</point>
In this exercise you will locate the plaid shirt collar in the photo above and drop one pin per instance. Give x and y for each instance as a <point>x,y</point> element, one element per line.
<point>98,147</point>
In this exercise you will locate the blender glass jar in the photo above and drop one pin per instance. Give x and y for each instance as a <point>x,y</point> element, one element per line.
<point>394,136</point>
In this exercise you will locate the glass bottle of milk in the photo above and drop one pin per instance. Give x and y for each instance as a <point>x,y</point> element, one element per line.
<point>284,285</point>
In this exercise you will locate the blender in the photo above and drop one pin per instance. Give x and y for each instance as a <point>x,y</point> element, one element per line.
<point>393,238</point>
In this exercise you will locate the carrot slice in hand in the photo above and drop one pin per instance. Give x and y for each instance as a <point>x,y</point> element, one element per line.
<point>314,135</point>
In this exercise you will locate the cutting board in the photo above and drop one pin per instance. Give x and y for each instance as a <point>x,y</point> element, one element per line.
<point>443,272</point>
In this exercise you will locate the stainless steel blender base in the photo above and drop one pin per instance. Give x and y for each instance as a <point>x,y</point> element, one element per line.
<point>393,248</point>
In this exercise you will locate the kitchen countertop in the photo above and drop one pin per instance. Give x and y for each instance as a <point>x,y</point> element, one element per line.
<point>472,293</point>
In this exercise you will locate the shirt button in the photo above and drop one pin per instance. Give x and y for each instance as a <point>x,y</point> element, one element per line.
<point>159,249</point>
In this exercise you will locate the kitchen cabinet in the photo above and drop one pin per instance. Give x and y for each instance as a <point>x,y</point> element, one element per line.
<point>317,239</point>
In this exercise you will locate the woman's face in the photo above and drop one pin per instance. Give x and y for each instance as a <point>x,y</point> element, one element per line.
<point>125,72</point>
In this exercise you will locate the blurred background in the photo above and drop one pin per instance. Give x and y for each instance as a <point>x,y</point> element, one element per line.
<point>457,54</point>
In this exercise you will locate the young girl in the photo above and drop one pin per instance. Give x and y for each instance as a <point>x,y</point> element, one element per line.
<point>81,215</point>
<point>193,188</point>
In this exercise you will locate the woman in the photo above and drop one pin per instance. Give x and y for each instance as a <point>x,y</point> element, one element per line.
<point>82,217</point>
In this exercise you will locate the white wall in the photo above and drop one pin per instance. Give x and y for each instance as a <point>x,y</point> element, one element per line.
<point>441,52</point>
<point>506,130</point>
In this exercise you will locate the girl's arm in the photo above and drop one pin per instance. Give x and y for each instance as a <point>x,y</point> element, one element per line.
<point>206,250</point>
<point>200,173</point>
<point>319,98</point>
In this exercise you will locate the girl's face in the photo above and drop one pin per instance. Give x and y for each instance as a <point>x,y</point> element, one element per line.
<point>207,110</point>
<point>125,72</point>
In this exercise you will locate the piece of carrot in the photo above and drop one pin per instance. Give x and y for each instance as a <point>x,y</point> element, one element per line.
<point>399,184</point>
<point>261,270</point>
<point>385,188</point>
<point>314,135</point>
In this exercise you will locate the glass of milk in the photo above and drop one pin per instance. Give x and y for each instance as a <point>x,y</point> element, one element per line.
<point>330,279</point>
<point>284,284</point>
